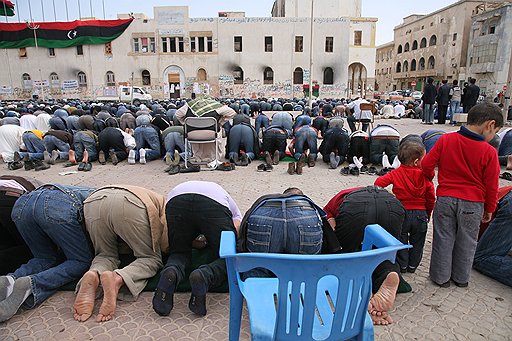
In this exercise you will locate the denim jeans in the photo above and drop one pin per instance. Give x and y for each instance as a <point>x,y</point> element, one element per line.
<point>82,142</point>
<point>189,215</point>
<point>50,221</point>
<point>176,141</point>
<point>262,121</point>
<point>414,232</point>
<point>428,113</point>
<point>506,144</point>
<point>454,108</point>
<point>35,146</point>
<point>284,120</point>
<point>241,137</point>
<point>491,257</point>
<point>52,143</point>
<point>146,137</point>
<point>305,136</point>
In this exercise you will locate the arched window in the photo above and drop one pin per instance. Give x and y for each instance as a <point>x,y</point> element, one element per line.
<point>328,76</point>
<point>431,63</point>
<point>82,79</point>
<point>201,75</point>
<point>146,77</point>
<point>413,65</point>
<point>421,64</point>
<point>238,75</point>
<point>415,45</point>
<point>110,78</point>
<point>398,67</point>
<point>423,43</point>
<point>406,47</point>
<point>268,76</point>
<point>433,40</point>
<point>298,76</point>
<point>399,49</point>
<point>406,66</point>
<point>54,80</point>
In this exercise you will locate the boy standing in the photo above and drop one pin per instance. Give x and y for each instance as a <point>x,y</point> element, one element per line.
<point>416,193</point>
<point>468,171</point>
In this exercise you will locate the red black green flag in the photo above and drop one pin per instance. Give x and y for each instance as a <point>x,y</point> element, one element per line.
<point>61,34</point>
<point>6,8</point>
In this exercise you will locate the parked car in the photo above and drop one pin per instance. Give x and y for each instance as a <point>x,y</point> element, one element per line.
<point>417,95</point>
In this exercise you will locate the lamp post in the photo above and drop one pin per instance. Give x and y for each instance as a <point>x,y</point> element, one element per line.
<point>311,58</point>
<point>34,29</point>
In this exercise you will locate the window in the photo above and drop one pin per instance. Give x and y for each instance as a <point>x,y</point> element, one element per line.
<point>431,62</point>
<point>329,44</point>
<point>238,75</point>
<point>268,44</point>
<point>423,43</point>
<point>421,64</point>
<point>54,80</point>
<point>146,77</point>
<point>433,40</point>
<point>173,44</point>
<point>80,50</point>
<point>110,78</point>
<point>415,45</point>
<point>406,66</point>
<point>27,81</point>
<point>51,52</point>
<point>492,29</point>
<point>268,76</point>
<point>484,53</point>
<point>406,47</point>
<point>299,44</point>
<point>209,44</point>
<point>165,48</point>
<point>399,49</point>
<point>201,75</point>
<point>358,36</point>
<point>144,45</point>
<point>238,44</point>
<point>201,44</point>
<point>22,52</point>
<point>136,46</point>
<point>298,76</point>
<point>454,37</point>
<point>82,79</point>
<point>108,48</point>
<point>413,65</point>
<point>328,76</point>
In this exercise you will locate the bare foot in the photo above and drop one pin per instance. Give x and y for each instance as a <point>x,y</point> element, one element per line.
<point>509,162</point>
<point>111,283</point>
<point>383,300</point>
<point>71,156</point>
<point>84,302</point>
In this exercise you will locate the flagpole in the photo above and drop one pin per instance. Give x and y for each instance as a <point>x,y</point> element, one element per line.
<point>67,14</point>
<point>34,28</point>
<point>54,12</point>
<point>18,9</point>
<point>30,10</point>
<point>79,10</point>
<point>42,9</point>
<point>103,3</point>
<point>5,12</point>
<point>90,5</point>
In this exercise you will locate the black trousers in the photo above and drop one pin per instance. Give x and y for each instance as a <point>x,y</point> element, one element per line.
<point>441,113</point>
<point>13,250</point>
<point>366,206</point>
<point>273,140</point>
<point>360,147</point>
<point>379,146</point>
<point>111,138</point>
<point>335,140</point>
<point>189,215</point>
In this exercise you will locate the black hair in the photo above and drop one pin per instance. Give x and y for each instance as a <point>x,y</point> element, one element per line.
<point>293,190</point>
<point>484,112</point>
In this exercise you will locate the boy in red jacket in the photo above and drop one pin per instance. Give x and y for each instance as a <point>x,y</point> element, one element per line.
<point>416,193</point>
<point>467,194</point>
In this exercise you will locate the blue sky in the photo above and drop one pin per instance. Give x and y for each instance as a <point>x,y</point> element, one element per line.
<point>389,12</point>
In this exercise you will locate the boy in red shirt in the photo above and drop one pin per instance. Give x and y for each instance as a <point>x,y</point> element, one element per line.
<point>467,194</point>
<point>416,193</point>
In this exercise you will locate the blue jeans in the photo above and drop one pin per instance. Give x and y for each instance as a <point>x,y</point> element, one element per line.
<point>454,108</point>
<point>54,143</point>
<point>491,257</point>
<point>82,142</point>
<point>241,136</point>
<point>262,121</point>
<point>506,144</point>
<point>147,138</point>
<point>50,221</point>
<point>175,141</point>
<point>428,113</point>
<point>284,120</point>
<point>34,145</point>
<point>302,136</point>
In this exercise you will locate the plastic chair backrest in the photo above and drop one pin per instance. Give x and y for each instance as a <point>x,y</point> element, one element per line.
<point>200,123</point>
<point>302,307</point>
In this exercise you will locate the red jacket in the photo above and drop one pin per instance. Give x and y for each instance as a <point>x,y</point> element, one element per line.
<point>468,168</point>
<point>411,187</point>
<point>333,206</point>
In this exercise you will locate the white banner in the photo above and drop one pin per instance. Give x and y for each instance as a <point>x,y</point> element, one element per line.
<point>69,85</point>
<point>40,84</point>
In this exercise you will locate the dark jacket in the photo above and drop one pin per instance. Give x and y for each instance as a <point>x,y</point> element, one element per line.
<point>429,94</point>
<point>471,95</point>
<point>443,95</point>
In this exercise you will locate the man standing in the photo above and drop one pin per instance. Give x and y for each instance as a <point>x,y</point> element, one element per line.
<point>472,92</point>
<point>443,99</point>
<point>456,95</point>
<point>429,98</point>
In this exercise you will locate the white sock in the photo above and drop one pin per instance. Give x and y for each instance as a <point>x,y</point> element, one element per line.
<point>396,163</point>
<point>385,161</point>
<point>357,162</point>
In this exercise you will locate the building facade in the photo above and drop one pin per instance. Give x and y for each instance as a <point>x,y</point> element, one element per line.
<point>384,64</point>
<point>173,55</point>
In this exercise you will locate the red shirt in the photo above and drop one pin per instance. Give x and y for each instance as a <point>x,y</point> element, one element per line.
<point>411,187</point>
<point>468,168</point>
<point>333,206</point>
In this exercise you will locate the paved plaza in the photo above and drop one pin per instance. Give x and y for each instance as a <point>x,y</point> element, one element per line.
<point>483,311</point>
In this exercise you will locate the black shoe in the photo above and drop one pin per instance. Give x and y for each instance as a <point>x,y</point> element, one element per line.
<point>199,287</point>
<point>461,285</point>
<point>81,166</point>
<point>354,171</point>
<point>364,169</point>
<point>29,165</point>
<point>40,165</point>
<point>269,168</point>
<point>372,170</point>
<point>443,285</point>
<point>261,167</point>
<point>411,270</point>
<point>15,165</point>
<point>345,171</point>
<point>163,299</point>
<point>87,167</point>
<point>191,169</point>
<point>403,270</point>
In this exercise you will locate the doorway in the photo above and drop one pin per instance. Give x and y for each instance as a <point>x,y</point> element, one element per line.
<point>174,85</point>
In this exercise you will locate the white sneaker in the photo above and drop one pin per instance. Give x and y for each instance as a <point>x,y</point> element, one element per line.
<point>131,157</point>
<point>396,163</point>
<point>142,156</point>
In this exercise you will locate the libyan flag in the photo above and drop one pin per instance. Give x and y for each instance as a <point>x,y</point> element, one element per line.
<point>62,34</point>
<point>6,8</point>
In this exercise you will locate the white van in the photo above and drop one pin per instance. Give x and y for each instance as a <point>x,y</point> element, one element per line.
<point>132,94</point>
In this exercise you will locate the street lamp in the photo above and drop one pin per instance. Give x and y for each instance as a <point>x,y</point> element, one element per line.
<point>34,29</point>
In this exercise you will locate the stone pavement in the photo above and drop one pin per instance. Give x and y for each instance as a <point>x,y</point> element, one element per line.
<point>483,311</point>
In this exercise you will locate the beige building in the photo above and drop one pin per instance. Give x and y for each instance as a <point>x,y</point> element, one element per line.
<point>384,64</point>
<point>173,55</point>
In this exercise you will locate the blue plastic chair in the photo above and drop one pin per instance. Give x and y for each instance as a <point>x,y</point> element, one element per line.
<point>313,297</point>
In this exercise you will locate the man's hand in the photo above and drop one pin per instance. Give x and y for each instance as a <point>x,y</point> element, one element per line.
<point>487,217</point>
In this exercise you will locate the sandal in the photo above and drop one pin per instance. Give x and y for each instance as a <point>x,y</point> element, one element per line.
<point>506,176</point>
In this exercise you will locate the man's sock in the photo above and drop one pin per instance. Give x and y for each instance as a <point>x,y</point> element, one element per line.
<point>6,286</point>
<point>9,306</point>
